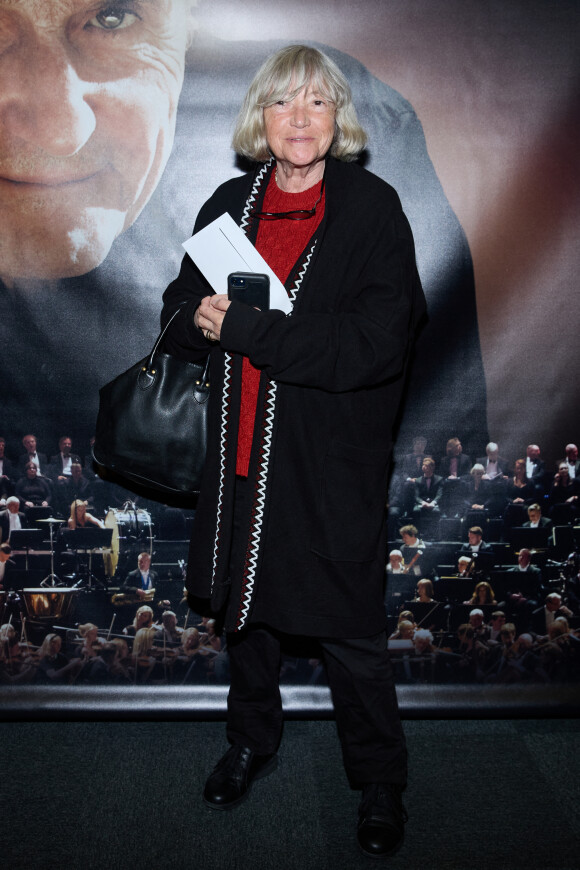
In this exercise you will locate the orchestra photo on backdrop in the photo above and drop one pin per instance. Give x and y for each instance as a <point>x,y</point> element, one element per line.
<point>482,583</point>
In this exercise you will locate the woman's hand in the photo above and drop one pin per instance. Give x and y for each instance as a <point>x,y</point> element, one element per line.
<point>210,315</point>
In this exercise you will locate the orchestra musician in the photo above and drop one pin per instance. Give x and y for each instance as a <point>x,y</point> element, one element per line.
<point>80,518</point>
<point>143,619</point>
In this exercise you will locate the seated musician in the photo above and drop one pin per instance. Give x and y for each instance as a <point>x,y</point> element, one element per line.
<point>143,619</point>
<point>405,630</point>
<point>32,489</point>
<point>91,643</point>
<point>15,665</point>
<point>122,666</point>
<point>75,487</point>
<point>424,591</point>
<point>495,625</point>
<point>529,579</point>
<point>191,664</point>
<point>480,631</point>
<point>169,633</point>
<point>211,639</point>
<point>482,594</point>
<point>142,580</point>
<point>412,549</point>
<point>53,665</point>
<point>395,563</point>
<point>80,518</point>
<point>480,551</point>
<point>464,564</point>
<point>143,659</point>
<point>12,519</point>
<point>536,520</point>
<point>6,564</point>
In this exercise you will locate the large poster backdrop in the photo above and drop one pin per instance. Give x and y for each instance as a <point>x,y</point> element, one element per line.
<point>115,123</point>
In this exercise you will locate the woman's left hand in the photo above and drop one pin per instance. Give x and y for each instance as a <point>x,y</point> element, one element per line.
<point>211,313</point>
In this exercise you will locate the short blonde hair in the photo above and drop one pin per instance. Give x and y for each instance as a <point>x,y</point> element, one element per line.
<point>283,75</point>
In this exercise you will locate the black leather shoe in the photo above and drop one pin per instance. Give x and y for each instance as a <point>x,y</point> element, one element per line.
<point>231,779</point>
<point>381,821</point>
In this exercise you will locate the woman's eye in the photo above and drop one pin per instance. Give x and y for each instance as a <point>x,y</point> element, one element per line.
<point>113,19</point>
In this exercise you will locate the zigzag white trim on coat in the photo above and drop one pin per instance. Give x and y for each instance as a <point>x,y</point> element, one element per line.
<point>260,503</point>
<point>253,550</point>
<point>301,274</point>
<point>226,395</point>
<point>253,194</point>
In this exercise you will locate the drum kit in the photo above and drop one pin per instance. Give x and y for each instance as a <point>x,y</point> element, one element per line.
<point>127,531</point>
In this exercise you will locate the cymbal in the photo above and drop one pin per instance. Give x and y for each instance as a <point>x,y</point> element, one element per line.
<point>50,520</point>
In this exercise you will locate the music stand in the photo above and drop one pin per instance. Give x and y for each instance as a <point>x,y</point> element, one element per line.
<point>52,521</point>
<point>26,539</point>
<point>530,539</point>
<point>87,540</point>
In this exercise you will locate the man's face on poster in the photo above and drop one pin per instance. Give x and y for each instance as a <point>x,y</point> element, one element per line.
<point>88,99</point>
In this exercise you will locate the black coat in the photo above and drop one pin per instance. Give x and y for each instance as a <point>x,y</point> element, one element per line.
<point>332,378</point>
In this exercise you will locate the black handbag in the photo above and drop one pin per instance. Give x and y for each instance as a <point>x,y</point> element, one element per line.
<point>152,424</point>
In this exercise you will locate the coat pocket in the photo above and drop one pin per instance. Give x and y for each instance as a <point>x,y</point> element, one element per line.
<point>351,507</point>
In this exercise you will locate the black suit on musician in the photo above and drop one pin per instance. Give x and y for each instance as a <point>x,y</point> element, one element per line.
<point>430,492</point>
<point>5,524</point>
<point>57,464</point>
<point>545,523</point>
<point>528,582</point>
<point>133,581</point>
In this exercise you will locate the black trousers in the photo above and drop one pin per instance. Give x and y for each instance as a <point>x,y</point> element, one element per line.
<point>360,678</point>
<point>363,692</point>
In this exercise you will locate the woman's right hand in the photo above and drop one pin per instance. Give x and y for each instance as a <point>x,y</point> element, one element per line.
<point>209,317</point>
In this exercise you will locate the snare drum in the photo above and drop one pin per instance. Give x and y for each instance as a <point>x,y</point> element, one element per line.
<point>129,527</point>
<point>51,602</point>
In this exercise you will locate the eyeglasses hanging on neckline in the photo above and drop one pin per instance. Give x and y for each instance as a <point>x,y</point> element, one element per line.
<point>299,214</point>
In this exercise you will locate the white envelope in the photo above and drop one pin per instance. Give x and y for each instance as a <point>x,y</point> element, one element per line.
<point>222,248</point>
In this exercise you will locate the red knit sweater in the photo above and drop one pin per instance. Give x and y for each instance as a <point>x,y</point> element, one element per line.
<point>280,242</point>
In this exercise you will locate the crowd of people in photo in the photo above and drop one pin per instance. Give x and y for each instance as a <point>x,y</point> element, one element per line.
<point>484,585</point>
<point>482,579</point>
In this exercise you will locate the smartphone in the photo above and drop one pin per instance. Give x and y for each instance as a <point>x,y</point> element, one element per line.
<point>252,288</point>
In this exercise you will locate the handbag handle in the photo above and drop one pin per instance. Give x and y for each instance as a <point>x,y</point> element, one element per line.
<point>148,373</point>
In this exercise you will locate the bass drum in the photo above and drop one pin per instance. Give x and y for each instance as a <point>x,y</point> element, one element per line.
<point>132,534</point>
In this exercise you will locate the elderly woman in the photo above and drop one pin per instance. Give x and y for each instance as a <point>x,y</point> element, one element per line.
<point>289,533</point>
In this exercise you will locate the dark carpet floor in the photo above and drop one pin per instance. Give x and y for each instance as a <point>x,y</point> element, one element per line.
<point>93,796</point>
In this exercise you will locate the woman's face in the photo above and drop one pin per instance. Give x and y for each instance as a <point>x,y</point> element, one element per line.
<point>300,131</point>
